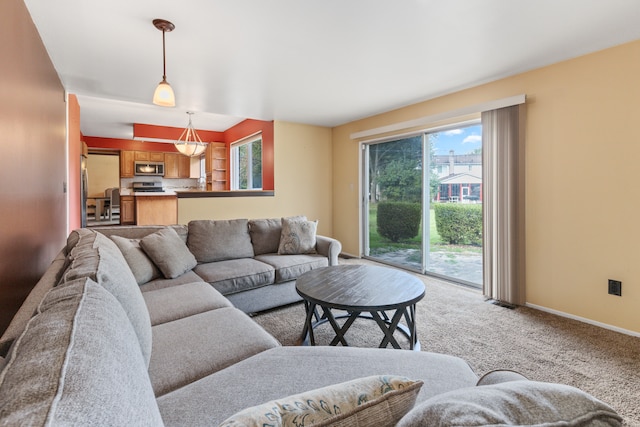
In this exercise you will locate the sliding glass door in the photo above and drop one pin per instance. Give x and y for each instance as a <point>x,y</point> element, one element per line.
<point>423,203</point>
<point>394,202</point>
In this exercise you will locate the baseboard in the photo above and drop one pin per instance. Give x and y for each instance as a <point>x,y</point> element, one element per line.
<point>347,255</point>
<point>584,320</point>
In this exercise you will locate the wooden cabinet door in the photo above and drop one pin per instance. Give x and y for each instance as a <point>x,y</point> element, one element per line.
<point>155,156</point>
<point>184,166</point>
<point>127,164</point>
<point>127,210</point>
<point>171,165</point>
<point>142,156</point>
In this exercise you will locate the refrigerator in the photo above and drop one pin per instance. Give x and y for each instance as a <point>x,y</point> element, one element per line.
<point>84,188</point>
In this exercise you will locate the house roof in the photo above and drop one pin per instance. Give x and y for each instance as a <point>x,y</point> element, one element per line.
<point>461,178</point>
<point>317,62</point>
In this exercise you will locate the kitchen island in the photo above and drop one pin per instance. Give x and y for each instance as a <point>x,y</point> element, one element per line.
<point>157,208</point>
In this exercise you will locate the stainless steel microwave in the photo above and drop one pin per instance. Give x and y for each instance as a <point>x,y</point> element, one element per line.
<point>149,168</point>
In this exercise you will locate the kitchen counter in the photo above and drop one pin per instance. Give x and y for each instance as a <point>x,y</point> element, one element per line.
<point>153,193</point>
<point>240,193</point>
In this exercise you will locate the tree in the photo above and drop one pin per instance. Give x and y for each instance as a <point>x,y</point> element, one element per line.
<point>400,181</point>
<point>407,151</point>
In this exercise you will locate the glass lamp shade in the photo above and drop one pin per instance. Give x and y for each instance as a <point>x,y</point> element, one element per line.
<point>189,142</point>
<point>163,95</point>
<point>191,149</point>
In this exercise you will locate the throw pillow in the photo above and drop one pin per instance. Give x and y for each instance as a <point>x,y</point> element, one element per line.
<point>144,270</point>
<point>376,400</point>
<point>298,237</point>
<point>523,403</point>
<point>265,234</point>
<point>169,252</point>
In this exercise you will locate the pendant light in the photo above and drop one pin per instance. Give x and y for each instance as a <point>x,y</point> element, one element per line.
<point>163,95</point>
<point>189,142</point>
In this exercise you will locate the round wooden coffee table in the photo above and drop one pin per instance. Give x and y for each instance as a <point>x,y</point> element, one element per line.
<point>363,291</point>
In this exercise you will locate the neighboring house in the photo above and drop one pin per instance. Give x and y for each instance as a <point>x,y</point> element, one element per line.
<point>460,177</point>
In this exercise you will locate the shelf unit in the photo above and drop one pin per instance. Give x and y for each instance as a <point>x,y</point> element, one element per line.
<point>216,166</point>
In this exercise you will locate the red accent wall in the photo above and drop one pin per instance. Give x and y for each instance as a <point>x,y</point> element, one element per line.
<point>75,151</point>
<point>33,160</point>
<point>166,132</point>
<point>128,144</point>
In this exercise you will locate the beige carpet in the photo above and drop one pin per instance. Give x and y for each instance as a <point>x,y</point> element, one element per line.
<point>544,347</point>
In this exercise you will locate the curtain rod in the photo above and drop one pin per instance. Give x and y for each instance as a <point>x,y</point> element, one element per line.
<point>425,120</point>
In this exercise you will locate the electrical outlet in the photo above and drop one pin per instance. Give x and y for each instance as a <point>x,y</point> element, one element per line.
<point>615,287</point>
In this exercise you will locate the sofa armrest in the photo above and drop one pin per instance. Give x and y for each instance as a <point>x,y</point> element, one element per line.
<point>31,303</point>
<point>329,247</point>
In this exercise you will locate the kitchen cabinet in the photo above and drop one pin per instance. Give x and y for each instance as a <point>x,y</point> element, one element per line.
<point>216,166</point>
<point>176,166</point>
<point>127,210</point>
<point>126,163</point>
<point>156,210</point>
<point>155,156</point>
<point>149,156</point>
<point>171,165</point>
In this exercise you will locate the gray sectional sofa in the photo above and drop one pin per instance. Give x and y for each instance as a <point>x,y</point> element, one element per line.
<point>141,326</point>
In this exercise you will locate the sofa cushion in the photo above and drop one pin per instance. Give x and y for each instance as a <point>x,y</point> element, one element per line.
<point>140,231</point>
<point>236,275</point>
<point>168,252</point>
<point>379,400</point>
<point>78,362</point>
<point>161,283</point>
<point>297,237</point>
<point>97,257</point>
<point>265,235</point>
<point>142,267</point>
<point>176,302</point>
<point>191,348</point>
<point>288,370</point>
<point>217,240</point>
<point>290,267</point>
<point>523,403</point>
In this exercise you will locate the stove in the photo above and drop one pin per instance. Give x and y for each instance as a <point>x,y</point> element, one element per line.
<point>147,187</point>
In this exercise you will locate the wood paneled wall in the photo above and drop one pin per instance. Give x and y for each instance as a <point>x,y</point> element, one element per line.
<point>33,208</point>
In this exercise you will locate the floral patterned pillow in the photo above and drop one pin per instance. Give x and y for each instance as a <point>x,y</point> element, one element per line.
<point>376,400</point>
<point>297,237</point>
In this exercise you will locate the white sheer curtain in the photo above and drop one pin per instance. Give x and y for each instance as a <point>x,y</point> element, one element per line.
<point>503,204</point>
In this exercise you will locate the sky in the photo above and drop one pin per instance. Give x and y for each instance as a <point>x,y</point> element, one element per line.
<point>462,140</point>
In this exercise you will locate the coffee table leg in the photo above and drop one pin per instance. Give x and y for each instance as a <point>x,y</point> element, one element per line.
<point>410,318</point>
<point>307,331</point>
<point>341,331</point>
<point>388,328</point>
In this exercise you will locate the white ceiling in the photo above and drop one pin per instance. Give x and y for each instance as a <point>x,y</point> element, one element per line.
<point>322,62</point>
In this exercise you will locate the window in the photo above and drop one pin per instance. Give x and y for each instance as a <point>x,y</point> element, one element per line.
<point>246,164</point>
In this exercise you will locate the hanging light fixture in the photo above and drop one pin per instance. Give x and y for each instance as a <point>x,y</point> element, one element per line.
<point>163,95</point>
<point>189,142</point>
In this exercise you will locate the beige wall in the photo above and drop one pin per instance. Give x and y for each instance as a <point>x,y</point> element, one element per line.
<point>583,202</point>
<point>104,172</point>
<point>303,182</point>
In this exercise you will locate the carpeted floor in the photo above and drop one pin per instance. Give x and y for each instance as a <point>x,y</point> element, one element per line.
<point>544,347</point>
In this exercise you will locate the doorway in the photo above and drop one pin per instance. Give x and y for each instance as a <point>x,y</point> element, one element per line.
<point>423,202</point>
<point>102,174</point>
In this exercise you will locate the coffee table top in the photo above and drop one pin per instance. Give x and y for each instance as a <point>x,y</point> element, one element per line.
<point>360,287</point>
